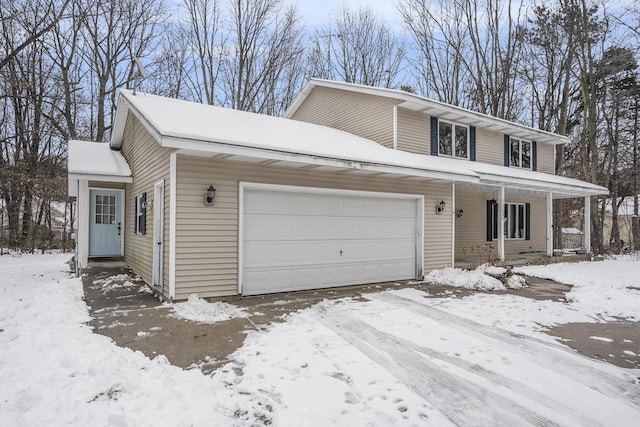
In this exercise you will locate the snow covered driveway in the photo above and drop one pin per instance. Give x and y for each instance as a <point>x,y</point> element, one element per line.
<point>480,375</point>
<point>390,358</point>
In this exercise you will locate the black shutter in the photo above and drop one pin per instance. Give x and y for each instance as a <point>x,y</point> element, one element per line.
<point>143,210</point>
<point>135,215</point>
<point>472,143</point>
<point>507,150</point>
<point>434,136</point>
<point>527,221</point>
<point>489,220</point>
<point>534,155</point>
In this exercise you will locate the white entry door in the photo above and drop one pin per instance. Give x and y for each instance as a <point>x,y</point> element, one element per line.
<point>158,234</point>
<point>105,225</point>
<point>296,240</point>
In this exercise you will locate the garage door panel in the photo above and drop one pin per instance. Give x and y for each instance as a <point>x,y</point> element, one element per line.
<point>297,240</point>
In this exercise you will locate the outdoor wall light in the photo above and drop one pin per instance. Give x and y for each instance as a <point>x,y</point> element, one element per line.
<point>459,213</point>
<point>440,207</point>
<point>211,194</point>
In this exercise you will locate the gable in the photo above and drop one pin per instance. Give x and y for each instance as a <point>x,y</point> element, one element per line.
<point>368,116</point>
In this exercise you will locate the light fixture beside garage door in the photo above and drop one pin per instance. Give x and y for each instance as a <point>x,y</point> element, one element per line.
<point>440,207</point>
<point>210,195</point>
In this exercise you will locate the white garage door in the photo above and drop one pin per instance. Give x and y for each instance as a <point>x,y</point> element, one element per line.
<point>293,240</point>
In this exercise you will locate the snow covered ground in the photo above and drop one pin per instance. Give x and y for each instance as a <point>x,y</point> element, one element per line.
<point>397,358</point>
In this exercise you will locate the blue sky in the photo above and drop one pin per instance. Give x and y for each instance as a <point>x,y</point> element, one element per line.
<point>316,12</point>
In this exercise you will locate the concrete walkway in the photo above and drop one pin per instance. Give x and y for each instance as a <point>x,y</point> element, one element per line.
<point>126,311</point>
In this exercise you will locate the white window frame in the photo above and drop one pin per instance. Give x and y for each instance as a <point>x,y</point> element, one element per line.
<point>521,142</point>
<point>453,139</point>
<point>519,208</point>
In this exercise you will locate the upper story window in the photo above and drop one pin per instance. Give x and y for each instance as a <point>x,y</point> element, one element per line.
<point>453,140</point>
<point>520,153</point>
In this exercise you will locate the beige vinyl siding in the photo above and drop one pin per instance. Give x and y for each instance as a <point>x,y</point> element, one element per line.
<point>471,231</point>
<point>102,184</point>
<point>207,236</point>
<point>364,115</point>
<point>149,164</point>
<point>489,147</point>
<point>545,158</point>
<point>413,132</point>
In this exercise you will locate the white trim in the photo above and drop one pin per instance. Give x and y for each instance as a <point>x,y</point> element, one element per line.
<point>549,224</point>
<point>172,224</point>
<point>419,270</point>
<point>453,139</point>
<point>83,210</point>
<point>101,178</point>
<point>453,224</point>
<point>587,224</point>
<point>158,234</point>
<point>395,127</point>
<point>122,217</point>
<point>185,146</point>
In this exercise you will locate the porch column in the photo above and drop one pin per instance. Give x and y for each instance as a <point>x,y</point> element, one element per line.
<point>501,223</point>
<point>587,224</point>
<point>549,224</point>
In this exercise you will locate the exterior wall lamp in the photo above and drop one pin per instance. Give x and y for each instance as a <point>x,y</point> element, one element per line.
<point>210,195</point>
<point>459,213</point>
<point>440,207</point>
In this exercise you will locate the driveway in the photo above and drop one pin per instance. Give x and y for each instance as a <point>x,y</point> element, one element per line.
<point>469,372</point>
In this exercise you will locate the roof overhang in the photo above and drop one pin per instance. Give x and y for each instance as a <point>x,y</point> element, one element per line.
<point>93,161</point>
<point>444,111</point>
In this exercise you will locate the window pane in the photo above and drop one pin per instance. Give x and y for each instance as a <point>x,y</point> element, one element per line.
<point>461,141</point>
<point>526,154</point>
<point>515,152</point>
<point>521,221</point>
<point>444,139</point>
<point>512,221</point>
<point>98,209</point>
<point>98,218</point>
<point>494,210</point>
<point>98,199</point>
<point>506,221</point>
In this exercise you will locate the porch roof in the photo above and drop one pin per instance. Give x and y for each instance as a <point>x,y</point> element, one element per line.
<point>95,161</point>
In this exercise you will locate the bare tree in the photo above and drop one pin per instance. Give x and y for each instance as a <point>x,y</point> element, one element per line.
<point>439,46</point>
<point>358,47</point>
<point>115,32</point>
<point>266,42</point>
<point>201,31</point>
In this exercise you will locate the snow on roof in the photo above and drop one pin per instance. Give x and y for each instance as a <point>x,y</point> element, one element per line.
<point>172,119</point>
<point>198,128</point>
<point>96,159</point>
<point>419,103</point>
<point>531,180</point>
<point>571,231</point>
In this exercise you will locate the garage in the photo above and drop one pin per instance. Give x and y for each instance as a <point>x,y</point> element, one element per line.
<point>300,238</point>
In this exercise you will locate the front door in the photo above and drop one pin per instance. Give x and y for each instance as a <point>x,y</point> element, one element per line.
<point>105,224</point>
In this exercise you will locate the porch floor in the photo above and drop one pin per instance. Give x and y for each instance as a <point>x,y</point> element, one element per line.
<point>534,258</point>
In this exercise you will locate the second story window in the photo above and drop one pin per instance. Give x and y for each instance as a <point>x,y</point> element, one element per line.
<point>520,155</point>
<point>453,140</point>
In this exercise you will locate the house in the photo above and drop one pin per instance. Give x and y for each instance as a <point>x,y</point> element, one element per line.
<point>355,185</point>
<point>626,217</point>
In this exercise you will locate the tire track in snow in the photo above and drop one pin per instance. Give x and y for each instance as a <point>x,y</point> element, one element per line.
<point>568,364</point>
<point>463,402</point>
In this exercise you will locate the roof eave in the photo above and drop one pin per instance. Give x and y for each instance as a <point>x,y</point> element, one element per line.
<point>210,147</point>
